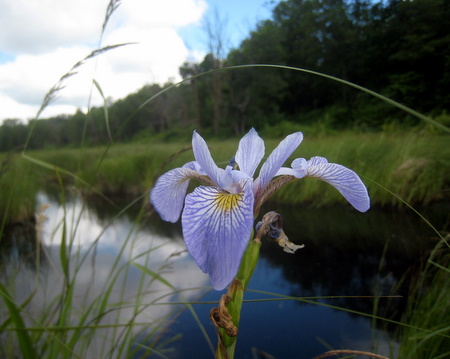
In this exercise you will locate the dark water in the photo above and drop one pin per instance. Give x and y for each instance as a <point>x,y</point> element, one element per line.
<point>346,255</point>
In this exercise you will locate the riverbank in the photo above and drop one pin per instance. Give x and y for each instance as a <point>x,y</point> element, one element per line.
<point>405,166</point>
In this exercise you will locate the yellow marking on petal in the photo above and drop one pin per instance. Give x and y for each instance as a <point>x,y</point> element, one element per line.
<point>226,202</point>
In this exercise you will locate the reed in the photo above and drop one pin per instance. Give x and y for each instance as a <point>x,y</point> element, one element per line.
<point>427,334</point>
<point>412,165</point>
<point>19,183</point>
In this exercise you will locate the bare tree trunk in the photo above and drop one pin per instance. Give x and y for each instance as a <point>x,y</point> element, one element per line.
<point>216,41</point>
<point>197,122</point>
<point>217,97</point>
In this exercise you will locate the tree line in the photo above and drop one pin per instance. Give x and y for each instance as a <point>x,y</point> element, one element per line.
<point>398,48</point>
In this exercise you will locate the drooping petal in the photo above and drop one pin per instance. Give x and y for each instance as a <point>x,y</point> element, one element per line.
<point>216,228</point>
<point>204,159</point>
<point>250,152</point>
<point>276,159</point>
<point>343,179</point>
<point>167,196</point>
<point>315,161</point>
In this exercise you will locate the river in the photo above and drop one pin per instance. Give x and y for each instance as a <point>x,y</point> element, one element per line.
<point>347,255</point>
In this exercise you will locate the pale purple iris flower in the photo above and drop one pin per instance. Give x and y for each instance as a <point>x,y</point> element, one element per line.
<point>217,219</point>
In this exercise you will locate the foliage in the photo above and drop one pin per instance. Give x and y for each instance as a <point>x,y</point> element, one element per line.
<point>19,183</point>
<point>427,335</point>
<point>397,48</point>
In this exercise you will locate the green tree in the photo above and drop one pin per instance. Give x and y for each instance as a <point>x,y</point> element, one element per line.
<point>419,53</point>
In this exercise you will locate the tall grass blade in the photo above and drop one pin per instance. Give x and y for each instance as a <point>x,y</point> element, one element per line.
<point>105,108</point>
<point>188,305</point>
<point>52,94</point>
<point>66,172</point>
<point>26,344</point>
<point>112,6</point>
<point>439,266</point>
<point>153,351</point>
<point>315,73</point>
<point>411,208</point>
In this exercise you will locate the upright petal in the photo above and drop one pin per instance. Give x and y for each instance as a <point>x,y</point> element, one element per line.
<point>250,152</point>
<point>216,227</point>
<point>276,159</point>
<point>230,180</point>
<point>167,196</point>
<point>204,159</point>
<point>343,179</point>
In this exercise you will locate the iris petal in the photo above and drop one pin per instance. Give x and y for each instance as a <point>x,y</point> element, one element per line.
<point>287,171</point>
<point>276,159</point>
<point>299,169</point>
<point>193,165</point>
<point>343,179</point>
<point>216,228</point>
<point>250,152</point>
<point>167,196</point>
<point>204,159</point>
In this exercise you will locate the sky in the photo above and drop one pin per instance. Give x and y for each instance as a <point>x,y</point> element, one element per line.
<point>40,41</point>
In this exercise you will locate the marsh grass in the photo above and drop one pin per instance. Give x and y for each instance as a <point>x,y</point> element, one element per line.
<point>413,166</point>
<point>427,333</point>
<point>19,183</point>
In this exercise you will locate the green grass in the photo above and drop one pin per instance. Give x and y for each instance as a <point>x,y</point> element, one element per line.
<point>19,183</point>
<point>411,165</point>
<point>427,335</point>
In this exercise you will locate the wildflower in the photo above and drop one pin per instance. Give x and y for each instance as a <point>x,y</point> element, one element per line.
<point>217,219</point>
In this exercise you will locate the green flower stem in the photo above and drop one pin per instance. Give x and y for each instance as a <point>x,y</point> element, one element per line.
<point>235,297</point>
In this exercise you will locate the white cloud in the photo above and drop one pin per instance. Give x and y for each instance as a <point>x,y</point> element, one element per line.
<point>9,108</point>
<point>47,37</point>
<point>37,26</point>
<point>29,77</point>
<point>169,13</point>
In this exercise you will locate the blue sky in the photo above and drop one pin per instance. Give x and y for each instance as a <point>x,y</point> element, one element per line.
<point>41,41</point>
<point>238,16</point>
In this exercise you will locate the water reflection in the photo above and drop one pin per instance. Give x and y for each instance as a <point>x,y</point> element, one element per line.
<point>345,254</point>
<point>102,254</point>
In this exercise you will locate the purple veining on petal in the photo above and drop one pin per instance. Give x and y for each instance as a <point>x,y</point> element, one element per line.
<point>216,234</point>
<point>276,159</point>
<point>167,196</point>
<point>204,159</point>
<point>343,179</point>
<point>250,152</point>
<point>317,160</point>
